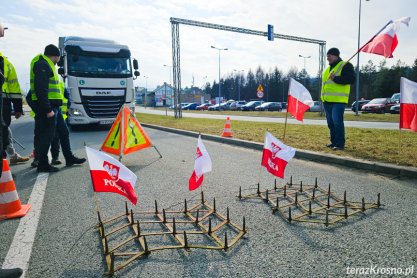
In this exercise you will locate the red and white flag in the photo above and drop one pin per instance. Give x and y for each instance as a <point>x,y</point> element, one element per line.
<point>276,155</point>
<point>385,42</point>
<point>408,104</point>
<point>299,100</point>
<point>202,165</point>
<point>109,175</point>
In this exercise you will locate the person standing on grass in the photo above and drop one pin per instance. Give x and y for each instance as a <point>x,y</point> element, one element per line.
<point>336,82</point>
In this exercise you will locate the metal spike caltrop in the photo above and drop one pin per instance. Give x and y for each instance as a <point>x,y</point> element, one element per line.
<point>310,203</point>
<point>198,220</point>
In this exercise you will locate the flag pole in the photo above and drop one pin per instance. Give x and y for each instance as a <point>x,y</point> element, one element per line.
<point>260,167</point>
<point>286,113</point>
<point>285,125</point>
<point>399,148</point>
<point>96,201</point>
<point>122,132</point>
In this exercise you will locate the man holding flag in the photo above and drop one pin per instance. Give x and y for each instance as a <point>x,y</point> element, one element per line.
<point>336,81</point>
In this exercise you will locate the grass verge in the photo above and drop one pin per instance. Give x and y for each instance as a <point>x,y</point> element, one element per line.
<point>392,118</point>
<point>370,144</point>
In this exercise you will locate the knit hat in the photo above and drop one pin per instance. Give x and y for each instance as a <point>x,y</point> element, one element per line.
<point>51,50</point>
<point>334,51</point>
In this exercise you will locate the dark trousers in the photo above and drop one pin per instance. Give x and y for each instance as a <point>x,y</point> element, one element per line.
<point>7,111</point>
<point>334,115</point>
<point>6,120</point>
<point>61,137</point>
<point>44,134</point>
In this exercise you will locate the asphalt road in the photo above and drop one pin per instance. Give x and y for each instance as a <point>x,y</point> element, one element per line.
<point>272,247</point>
<point>360,124</point>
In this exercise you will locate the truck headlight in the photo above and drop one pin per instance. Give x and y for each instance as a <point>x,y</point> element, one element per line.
<point>75,112</point>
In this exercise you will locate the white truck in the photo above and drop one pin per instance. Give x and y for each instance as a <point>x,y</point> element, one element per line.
<point>99,78</point>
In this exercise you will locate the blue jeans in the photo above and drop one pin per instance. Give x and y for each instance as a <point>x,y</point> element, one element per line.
<point>334,115</point>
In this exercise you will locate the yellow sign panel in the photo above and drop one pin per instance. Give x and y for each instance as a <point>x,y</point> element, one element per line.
<point>260,88</point>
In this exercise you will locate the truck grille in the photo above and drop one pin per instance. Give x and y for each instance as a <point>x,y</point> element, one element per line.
<point>102,107</point>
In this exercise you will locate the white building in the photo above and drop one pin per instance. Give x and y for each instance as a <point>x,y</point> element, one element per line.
<point>164,92</point>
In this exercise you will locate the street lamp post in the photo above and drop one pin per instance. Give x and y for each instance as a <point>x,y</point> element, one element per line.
<point>219,49</point>
<point>305,57</point>
<point>170,73</point>
<point>357,61</point>
<point>240,81</point>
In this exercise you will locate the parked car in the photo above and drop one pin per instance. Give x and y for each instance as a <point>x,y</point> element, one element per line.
<point>237,105</point>
<point>190,106</point>
<point>395,109</point>
<point>269,106</point>
<point>378,105</point>
<point>361,103</point>
<point>214,107</point>
<point>250,106</point>
<point>204,106</point>
<point>225,106</point>
<point>284,105</point>
<point>396,97</point>
<point>178,105</point>
<point>317,107</point>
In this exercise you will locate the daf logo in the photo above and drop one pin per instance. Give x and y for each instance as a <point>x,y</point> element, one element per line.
<point>103,93</point>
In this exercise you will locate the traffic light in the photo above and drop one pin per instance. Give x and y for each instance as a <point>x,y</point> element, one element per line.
<point>270,32</point>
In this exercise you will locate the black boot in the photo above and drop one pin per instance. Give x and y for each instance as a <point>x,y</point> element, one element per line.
<point>47,168</point>
<point>74,160</point>
<point>11,273</point>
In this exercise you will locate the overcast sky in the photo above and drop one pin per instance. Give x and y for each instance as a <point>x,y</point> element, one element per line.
<point>145,27</point>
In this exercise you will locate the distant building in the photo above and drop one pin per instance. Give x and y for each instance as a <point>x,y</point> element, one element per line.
<point>164,93</point>
<point>194,94</point>
<point>139,94</point>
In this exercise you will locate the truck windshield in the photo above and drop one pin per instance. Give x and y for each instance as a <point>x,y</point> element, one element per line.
<point>96,66</point>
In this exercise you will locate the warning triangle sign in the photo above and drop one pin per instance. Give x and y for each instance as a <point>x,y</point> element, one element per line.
<point>126,135</point>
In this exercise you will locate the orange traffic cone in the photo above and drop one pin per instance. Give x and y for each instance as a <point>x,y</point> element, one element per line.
<point>10,206</point>
<point>227,132</point>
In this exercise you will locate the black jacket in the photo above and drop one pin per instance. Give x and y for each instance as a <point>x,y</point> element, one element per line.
<point>347,75</point>
<point>43,72</point>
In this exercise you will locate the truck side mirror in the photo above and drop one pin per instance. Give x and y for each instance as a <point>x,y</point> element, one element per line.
<point>61,71</point>
<point>136,73</point>
<point>135,64</point>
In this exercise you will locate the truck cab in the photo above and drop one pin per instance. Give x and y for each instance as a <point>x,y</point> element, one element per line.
<point>99,78</point>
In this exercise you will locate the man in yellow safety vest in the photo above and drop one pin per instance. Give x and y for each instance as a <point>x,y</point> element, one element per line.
<point>336,81</point>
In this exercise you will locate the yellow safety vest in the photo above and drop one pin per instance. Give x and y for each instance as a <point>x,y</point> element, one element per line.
<point>11,87</point>
<point>331,91</point>
<point>54,91</point>
<point>64,108</point>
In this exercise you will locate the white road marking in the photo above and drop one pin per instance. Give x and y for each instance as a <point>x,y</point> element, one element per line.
<point>21,247</point>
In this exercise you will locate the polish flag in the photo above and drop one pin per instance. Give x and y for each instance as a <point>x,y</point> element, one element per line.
<point>276,155</point>
<point>202,165</point>
<point>299,100</point>
<point>109,175</point>
<point>408,104</point>
<point>385,42</point>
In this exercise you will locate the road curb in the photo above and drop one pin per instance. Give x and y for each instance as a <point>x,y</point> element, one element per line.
<point>376,167</point>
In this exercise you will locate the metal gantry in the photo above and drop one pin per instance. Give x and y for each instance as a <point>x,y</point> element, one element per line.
<point>131,236</point>
<point>310,203</point>
<point>176,48</point>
